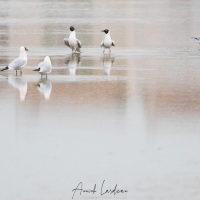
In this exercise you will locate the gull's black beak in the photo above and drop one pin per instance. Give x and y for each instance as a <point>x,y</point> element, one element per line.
<point>103,31</point>
<point>26,49</point>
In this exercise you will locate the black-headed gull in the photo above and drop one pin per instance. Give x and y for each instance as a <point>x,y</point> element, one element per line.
<point>72,42</point>
<point>44,67</point>
<point>18,63</point>
<point>107,42</point>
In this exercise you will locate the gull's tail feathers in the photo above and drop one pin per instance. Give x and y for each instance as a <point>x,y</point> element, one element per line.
<point>6,68</point>
<point>37,70</point>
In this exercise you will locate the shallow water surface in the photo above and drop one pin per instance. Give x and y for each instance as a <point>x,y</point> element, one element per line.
<point>131,118</point>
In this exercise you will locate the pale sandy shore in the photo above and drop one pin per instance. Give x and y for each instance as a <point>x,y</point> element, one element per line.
<point>131,118</point>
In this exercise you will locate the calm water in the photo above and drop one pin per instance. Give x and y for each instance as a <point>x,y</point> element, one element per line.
<point>131,118</point>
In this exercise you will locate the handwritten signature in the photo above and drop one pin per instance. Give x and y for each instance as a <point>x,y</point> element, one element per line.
<point>114,191</point>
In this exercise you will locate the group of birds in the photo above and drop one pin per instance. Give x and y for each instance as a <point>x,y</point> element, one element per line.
<point>75,44</point>
<point>44,86</point>
<point>45,67</point>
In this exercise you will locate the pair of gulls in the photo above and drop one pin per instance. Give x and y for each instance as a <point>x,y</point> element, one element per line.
<point>19,63</point>
<point>75,44</point>
<point>45,67</point>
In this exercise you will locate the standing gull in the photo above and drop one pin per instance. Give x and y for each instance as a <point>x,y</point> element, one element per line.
<point>18,63</point>
<point>44,67</point>
<point>107,42</point>
<point>73,42</point>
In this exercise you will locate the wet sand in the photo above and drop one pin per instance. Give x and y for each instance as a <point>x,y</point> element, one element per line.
<point>131,118</point>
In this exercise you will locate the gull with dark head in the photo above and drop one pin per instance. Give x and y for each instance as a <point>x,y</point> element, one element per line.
<point>18,63</point>
<point>72,42</point>
<point>107,42</point>
<point>44,67</point>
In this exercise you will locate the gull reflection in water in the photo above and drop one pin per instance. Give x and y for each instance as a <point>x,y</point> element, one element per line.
<point>45,87</point>
<point>73,61</point>
<point>20,83</point>
<point>107,63</point>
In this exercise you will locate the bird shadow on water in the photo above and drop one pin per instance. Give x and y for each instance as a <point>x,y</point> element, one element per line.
<point>20,83</point>
<point>73,61</point>
<point>44,86</point>
<point>107,61</point>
